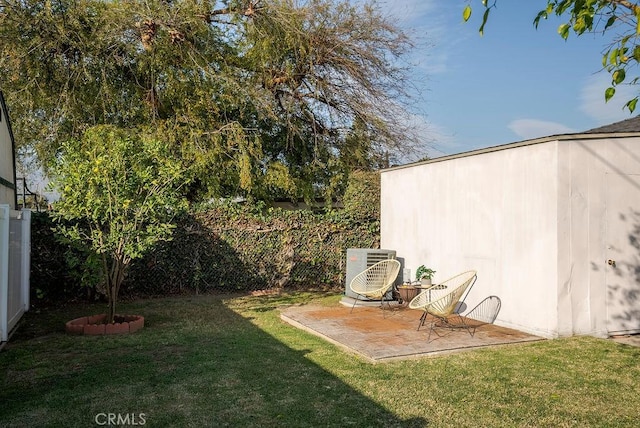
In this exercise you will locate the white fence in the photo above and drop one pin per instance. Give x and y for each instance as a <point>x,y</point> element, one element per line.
<point>15,258</point>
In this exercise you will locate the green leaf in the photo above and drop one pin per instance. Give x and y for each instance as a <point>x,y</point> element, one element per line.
<point>631,104</point>
<point>624,40</point>
<point>563,30</point>
<point>618,76</point>
<point>485,16</point>
<point>466,13</point>
<point>563,6</point>
<point>579,26</point>
<point>610,22</point>
<point>613,56</point>
<point>609,93</point>
<point>588,22</point>
<point>541,14</point>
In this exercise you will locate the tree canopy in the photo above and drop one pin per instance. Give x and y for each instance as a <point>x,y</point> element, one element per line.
<point>260,98</point>
<point>620,19</point>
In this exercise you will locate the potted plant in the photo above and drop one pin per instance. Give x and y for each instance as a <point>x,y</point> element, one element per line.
<point>424,275</point>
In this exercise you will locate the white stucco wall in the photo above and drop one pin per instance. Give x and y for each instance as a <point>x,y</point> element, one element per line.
<point>533,219</point>
<point>6,162</point>
<point>580,303</point>
<point>494,213</point>
<point>582,246</point>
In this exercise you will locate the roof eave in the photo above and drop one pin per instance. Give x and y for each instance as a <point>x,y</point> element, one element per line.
<point>561,137</point>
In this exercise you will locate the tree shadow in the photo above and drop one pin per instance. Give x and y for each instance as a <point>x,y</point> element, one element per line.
<point>208,255</point>
<point>625,288</point>
<point>197,362</point>
<point>197,260</point>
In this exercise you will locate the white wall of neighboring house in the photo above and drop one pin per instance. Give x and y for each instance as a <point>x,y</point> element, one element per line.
<point>7,165</point>
<point>535,219</point>
<point>15,238</point>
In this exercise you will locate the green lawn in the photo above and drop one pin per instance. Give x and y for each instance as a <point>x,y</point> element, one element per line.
<point>230,361</point>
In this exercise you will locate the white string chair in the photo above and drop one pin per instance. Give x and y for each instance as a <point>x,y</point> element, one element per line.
<point>375,281</point>
<point>485,312</point>
<point>440,301</point>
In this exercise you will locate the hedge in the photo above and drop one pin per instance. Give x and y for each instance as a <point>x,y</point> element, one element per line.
<point>223,248</point>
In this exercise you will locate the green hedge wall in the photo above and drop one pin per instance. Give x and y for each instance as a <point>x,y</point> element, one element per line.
<point>225,248</point>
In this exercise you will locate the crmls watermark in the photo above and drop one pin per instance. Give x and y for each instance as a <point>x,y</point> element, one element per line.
<point>120,419</point>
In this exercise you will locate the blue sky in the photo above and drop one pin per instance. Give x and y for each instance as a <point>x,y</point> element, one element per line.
<point>512,84</point>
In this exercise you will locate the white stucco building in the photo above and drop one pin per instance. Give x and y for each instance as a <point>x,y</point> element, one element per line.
<point>552,226</point>
<point>7,159</point>
<point>15,237</point>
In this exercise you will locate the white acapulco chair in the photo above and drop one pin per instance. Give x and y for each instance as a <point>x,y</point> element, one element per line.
<point>440,301</point>
<point>375,281</point>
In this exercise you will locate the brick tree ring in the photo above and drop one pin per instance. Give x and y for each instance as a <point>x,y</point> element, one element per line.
<point>95,325</point>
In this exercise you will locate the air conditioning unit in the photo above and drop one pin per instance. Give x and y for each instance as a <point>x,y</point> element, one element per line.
<point>358,259</point>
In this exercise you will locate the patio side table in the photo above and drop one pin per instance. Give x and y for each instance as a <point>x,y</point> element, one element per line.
<point>421,288</point>
<point>407,293</point>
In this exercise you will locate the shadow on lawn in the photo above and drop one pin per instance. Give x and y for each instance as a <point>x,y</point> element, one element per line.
<point>196,363</point>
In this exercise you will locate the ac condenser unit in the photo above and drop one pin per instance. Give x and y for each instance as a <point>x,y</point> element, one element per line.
<point>358,259</point>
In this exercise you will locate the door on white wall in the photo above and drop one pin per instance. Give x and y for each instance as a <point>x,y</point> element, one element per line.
<point>623,253</point>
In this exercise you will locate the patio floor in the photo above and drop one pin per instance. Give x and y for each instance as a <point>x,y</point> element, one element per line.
<point>391,334</point>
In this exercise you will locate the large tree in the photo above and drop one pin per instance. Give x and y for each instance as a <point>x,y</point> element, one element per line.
<point>259,97</point>
<point>620,19</point>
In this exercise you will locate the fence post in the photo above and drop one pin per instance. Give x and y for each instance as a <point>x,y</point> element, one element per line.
<point>4,272</point>
<point>25,258</point>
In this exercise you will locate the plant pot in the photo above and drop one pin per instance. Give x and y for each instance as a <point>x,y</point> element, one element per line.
<point>95,325</point>
<point>425,282</point>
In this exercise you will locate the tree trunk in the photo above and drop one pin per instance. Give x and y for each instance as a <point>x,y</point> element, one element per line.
<point>114,272</point>
<point>112,309</point>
